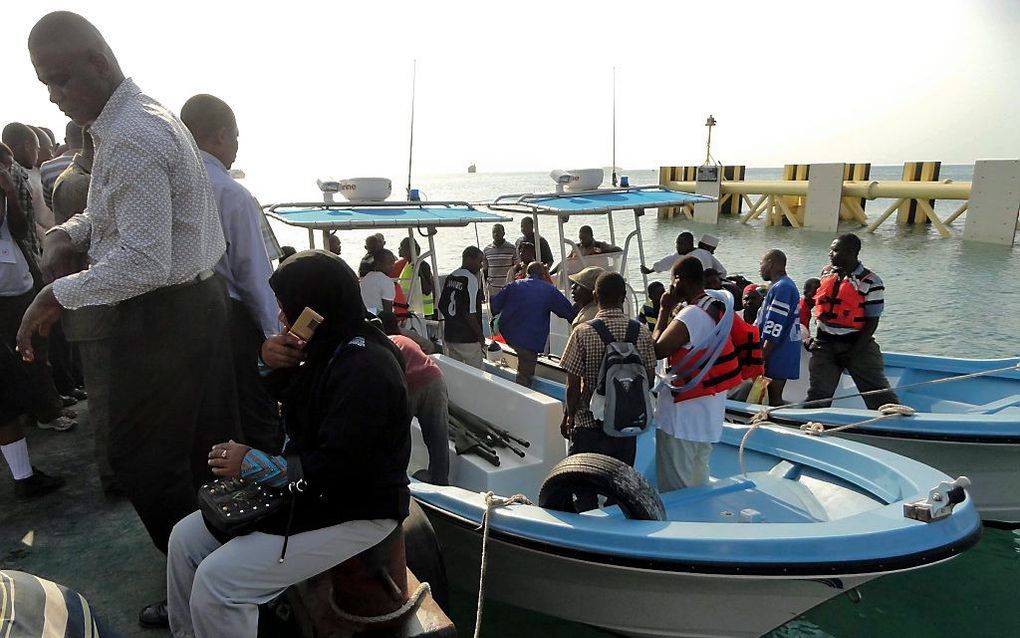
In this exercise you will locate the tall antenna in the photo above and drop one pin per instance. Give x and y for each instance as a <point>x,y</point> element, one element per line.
<point>710,122</point>
<point>410,150</point>
<point>614,127</point>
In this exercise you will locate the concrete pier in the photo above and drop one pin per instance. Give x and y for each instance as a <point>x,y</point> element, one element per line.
<point>818,196</point>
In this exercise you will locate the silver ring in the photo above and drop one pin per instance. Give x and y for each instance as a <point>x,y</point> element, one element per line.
<point>224,454</point>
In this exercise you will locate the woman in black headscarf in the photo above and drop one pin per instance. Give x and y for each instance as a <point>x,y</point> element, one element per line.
<point>345,411</point>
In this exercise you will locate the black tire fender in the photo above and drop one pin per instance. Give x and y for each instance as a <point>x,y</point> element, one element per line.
<point>601,474</point>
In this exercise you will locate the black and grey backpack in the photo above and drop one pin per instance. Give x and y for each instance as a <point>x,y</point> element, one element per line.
<point>622,400</point>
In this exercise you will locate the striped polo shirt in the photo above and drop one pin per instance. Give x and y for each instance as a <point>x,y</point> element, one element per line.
<point>870,286</point>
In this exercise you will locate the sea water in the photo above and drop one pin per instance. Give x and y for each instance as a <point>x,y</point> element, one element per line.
<point>943,297</point>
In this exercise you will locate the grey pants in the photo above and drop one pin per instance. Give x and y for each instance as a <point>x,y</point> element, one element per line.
<point>680,463</point>
<point>214,589</point>
<point>469,353</point>
<point>526,362</point>
<point>430,404</point>
<point>828,361</point>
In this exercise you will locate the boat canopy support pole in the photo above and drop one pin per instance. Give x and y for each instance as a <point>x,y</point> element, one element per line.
<point>325,239</point>
<point>638,213</point>
<point>435,285</point>
<point>612,229</point>
<point>311,239</point>
<point>416,302</point>
<point>564,285</point>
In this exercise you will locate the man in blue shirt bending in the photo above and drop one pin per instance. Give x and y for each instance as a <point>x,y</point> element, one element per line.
<point>523,307</point>
<point>777,325</point>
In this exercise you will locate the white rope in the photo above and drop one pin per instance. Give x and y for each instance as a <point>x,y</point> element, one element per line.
<point>813,428</point>
<point>491,502</point>
<point>412,602</point>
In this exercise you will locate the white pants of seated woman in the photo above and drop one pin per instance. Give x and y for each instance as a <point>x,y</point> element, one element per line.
<point>214,589</point>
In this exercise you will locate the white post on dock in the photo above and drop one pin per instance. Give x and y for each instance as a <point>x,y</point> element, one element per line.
<point>825,191</point>
<point>993,204</point>
<point>709,183</point>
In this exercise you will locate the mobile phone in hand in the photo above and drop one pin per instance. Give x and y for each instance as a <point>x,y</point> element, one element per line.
<point>306,324</point>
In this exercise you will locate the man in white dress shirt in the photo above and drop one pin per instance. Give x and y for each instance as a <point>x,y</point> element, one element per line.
<point>153,236</point>
<point>245,267</point>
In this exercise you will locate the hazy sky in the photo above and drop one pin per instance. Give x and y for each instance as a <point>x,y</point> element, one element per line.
<point>324,87</point>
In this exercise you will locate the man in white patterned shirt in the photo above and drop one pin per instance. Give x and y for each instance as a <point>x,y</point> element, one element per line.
<point>153,237</point>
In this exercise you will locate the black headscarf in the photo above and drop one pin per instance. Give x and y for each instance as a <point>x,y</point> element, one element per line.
<point>325,283</point>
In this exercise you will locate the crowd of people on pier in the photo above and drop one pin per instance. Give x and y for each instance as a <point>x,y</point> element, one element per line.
<point>135,268</point>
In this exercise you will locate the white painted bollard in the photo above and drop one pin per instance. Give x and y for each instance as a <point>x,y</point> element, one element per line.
<point>709,183</point>
<point>825,191</point>
<point>994,200</point>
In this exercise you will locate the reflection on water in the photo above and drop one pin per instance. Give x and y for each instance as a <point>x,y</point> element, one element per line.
<point>944,296</point>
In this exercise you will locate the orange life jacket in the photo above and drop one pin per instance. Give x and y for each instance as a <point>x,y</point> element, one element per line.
<point>839,303</point>
<point>747,343</point>
<point>724,373</point>
<point>400,307</point>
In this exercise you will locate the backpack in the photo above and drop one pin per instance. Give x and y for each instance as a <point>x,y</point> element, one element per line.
<point>622,400</point>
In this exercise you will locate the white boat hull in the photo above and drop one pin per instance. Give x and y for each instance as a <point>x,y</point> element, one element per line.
<point>629,600</point>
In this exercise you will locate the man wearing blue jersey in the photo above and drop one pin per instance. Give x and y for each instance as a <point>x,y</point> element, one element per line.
<point>777,325</point>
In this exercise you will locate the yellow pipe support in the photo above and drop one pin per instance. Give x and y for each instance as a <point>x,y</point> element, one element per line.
<point>786,211</point>
<point>755,209</point>
<point>856,210</point>
<point>884,216</point>
<point>956,213</point>
<point>863,190</point>
<point>922,204</point>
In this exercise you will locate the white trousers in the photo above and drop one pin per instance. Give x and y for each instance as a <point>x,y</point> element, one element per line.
<point>680,463</point>
<point>214,589</point>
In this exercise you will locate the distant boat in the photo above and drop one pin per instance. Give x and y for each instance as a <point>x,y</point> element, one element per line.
<point>472,168</point>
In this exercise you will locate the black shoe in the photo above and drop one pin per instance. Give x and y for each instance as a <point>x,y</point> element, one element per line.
<point>79,394</point>
<point>67,401</point>
<point>38,484</point>
<point>154,615</point>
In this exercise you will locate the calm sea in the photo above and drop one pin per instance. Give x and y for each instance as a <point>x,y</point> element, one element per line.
<point>943,297</point>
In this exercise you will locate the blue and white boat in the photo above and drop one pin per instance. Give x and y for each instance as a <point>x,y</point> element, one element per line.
<point>811,519</point>
<point>969,427</point>
<point>368,209</point>
<point>578,195</point>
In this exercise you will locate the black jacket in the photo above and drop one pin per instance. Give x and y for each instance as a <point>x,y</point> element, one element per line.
<point>349,422</point>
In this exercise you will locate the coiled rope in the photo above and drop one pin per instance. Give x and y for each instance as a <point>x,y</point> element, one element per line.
<point>491,502</point>
<point>412,602</point>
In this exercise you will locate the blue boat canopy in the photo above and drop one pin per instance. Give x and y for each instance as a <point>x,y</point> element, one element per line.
<point>597,201</point>
<point>363,215</point>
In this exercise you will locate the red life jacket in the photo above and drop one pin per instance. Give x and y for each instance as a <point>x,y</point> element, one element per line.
<point>747,343</point>
<point>724,373</point>
<point>839,303</point>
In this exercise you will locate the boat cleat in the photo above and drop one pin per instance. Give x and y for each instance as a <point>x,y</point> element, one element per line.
<point>940,502</point>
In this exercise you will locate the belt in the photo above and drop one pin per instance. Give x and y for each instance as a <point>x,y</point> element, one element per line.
<point>202,276</point>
